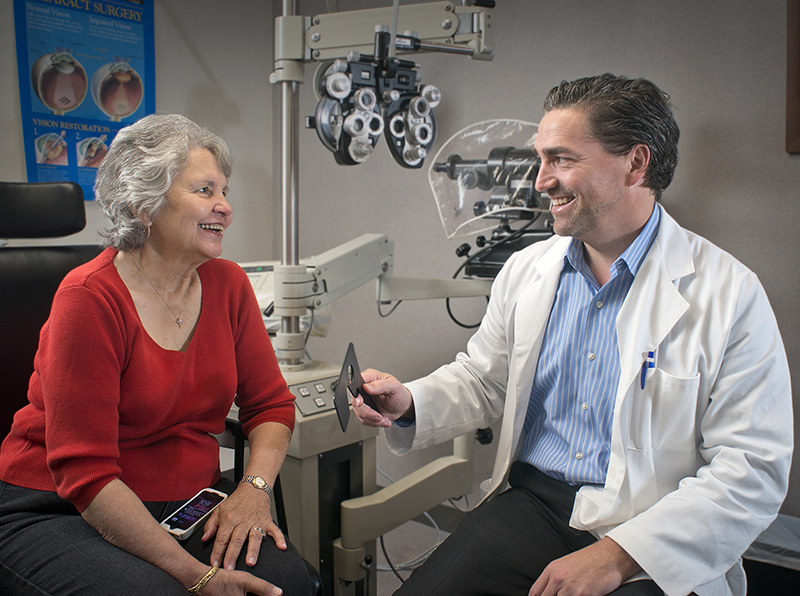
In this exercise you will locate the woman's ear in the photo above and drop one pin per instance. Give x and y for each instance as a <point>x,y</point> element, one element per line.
<point>145,218</point>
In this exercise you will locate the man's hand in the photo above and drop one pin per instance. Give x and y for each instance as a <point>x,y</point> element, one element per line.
<point>391,397</point>
<point>235,521</point>
<point>596,570</point>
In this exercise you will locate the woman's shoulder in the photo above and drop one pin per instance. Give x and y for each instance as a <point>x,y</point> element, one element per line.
<point>93,291</point>
<point>221,268</point>
<point>220,275</point>
<point>98,270</point>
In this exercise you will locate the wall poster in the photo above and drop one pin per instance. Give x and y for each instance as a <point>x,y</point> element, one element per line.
<point>793,76</point>
<point>86,69</point>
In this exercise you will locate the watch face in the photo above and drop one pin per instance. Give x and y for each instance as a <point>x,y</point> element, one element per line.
<point>259,482</point>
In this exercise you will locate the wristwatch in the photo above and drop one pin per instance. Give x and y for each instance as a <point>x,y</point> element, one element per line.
<point>260,484</point>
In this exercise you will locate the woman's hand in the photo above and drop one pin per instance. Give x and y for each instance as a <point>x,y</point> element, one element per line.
<point>238,583</point>
<point>118,514</point>
<point>391,397</point>
<point>236,521</point>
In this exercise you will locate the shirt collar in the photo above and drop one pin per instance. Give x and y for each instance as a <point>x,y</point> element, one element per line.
<point>634,255</point>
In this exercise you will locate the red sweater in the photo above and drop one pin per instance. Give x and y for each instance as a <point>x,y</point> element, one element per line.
<point>107,402</point>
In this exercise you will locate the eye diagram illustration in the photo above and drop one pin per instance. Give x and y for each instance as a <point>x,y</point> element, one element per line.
<point>117,89</point>
<point>59,81</point>
<point>91,151</point>
<point>52,149</point>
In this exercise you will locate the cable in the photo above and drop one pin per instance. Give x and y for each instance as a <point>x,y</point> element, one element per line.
<point>310,327</point>
<point>417,559</point>
<point>380,312</point>
<point>456,321</point>
<point>511,237</point>
<point>466,500</point>
<point>389,561</point>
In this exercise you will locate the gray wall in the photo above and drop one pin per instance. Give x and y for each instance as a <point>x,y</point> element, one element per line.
<point>723,63</point>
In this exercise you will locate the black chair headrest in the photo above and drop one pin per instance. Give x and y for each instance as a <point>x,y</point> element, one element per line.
<point>41,209</point>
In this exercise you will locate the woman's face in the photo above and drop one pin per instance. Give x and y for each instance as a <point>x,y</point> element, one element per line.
<point>195,214</point>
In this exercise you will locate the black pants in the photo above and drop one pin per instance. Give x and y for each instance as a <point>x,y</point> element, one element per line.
<point>502,546</point>
<point>46,548</point>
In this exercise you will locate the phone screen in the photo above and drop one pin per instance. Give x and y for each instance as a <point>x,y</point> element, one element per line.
<point>194,510</point>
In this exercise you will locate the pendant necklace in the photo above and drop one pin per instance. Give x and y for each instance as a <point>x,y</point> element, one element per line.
<point>178,318</point>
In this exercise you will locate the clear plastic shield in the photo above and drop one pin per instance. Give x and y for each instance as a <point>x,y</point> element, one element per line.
<point>484,174</point>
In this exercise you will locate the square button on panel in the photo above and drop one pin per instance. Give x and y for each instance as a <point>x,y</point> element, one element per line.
<point>320,388</point>
<point>304,392</point>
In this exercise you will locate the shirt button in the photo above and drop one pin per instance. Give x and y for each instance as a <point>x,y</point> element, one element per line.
<point>579,455</point>
<point>585,406</point>
<point>591,356</point>
<point>599,304</point>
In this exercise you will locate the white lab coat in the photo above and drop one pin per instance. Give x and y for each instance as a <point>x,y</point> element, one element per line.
<point>699,459</point>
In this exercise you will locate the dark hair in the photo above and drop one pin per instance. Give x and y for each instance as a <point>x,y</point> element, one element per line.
<point>622,113</point>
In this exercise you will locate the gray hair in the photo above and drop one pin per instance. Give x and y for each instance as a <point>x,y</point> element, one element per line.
<point>623,113</point>
<point>135,176</point>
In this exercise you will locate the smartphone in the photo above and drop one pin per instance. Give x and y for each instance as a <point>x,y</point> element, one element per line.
<point>183,522</point>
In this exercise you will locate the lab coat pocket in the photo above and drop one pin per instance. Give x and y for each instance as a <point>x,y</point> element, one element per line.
<point>664,413</point>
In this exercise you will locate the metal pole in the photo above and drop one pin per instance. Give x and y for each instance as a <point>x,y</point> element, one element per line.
<point>289,181</point>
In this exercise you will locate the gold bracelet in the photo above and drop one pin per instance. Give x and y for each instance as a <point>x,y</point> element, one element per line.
<point>206,578</point>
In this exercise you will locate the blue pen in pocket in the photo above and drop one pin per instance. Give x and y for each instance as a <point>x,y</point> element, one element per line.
<point>649,362</point>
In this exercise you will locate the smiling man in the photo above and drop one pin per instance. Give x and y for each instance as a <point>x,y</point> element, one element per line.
<point>639,373</point>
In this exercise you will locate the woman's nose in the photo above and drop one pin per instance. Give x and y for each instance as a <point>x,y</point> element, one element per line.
<point>223,206</point>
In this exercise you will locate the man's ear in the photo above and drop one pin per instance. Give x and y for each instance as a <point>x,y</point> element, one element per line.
<point>638,160</point>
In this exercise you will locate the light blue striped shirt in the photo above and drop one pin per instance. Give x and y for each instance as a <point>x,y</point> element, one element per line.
<point>568,426</point>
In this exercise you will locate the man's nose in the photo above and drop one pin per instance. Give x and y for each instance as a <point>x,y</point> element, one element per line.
<point>545,179</point>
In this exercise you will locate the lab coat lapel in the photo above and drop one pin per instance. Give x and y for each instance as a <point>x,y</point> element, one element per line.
<point>530,322</point>
<point>652,309</point>
<point>654,305</point>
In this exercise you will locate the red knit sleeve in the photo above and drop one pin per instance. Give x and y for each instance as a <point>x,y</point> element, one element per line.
<point>80,362</point>
<point>262,394</point>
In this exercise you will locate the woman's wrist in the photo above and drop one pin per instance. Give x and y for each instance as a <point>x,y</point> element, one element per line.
<point>203,581</point>
<point>192,574</point>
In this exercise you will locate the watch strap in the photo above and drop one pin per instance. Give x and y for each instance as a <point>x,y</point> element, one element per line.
<point>259,483</point>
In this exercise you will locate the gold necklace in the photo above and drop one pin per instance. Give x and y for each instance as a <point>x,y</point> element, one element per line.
<point>178,318</point>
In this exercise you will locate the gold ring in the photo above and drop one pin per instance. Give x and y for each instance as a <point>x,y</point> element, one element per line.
<point>260,531</point>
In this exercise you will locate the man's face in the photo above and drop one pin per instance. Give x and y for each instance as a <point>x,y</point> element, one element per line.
<point>586,184</point>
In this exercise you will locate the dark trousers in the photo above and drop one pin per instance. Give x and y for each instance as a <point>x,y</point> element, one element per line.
<point>502,546</point>
<point>46,548</point>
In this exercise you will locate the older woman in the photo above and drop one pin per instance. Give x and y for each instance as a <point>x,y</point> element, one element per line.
<point>143,354</point>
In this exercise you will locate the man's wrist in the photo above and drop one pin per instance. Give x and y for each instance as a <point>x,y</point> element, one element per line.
<point>626,564</point>
<point>409,418</point>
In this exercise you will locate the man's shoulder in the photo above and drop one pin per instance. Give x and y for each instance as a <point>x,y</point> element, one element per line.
<point>707,256</point>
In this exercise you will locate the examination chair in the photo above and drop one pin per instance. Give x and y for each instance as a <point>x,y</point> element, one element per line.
<point>30,275</point>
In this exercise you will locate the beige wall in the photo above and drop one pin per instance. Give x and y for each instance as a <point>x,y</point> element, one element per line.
<point>722,61</point>
<point>212,70</point>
